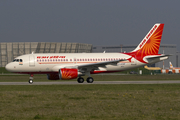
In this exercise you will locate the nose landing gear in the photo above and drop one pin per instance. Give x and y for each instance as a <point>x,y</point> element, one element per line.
<point>31,79</point>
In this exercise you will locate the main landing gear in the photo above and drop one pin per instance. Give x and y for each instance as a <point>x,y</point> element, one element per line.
<point>89,80</point>
<point>31,79</point>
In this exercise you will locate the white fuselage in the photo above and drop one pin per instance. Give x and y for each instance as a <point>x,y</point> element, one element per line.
<point>52,62</point>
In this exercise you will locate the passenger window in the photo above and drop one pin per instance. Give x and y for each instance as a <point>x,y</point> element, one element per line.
<point>14,60</point>
<point>21,60</point>
<point>17,60</point>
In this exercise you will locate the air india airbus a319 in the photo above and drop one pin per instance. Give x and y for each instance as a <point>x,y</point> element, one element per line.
<point>66,66</point>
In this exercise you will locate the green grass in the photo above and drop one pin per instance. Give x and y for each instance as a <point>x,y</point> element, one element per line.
<point>105,77</point>
<point>3,70</point>
<point>90,102</point>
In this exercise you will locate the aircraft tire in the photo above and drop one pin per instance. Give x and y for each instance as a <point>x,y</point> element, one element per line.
<point>80,80</point>
<point>30,81</point>
<point>89,80</point>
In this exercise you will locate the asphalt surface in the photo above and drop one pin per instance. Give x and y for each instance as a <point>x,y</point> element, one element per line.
<point>95,82</point>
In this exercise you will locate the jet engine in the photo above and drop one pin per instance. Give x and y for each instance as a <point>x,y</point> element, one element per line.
<point>64,74</point>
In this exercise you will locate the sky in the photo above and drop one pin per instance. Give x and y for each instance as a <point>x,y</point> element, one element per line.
<point>97,22</point>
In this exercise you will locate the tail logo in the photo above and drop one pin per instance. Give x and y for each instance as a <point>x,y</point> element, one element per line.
<point>150,33</point>
<point>150,44</point>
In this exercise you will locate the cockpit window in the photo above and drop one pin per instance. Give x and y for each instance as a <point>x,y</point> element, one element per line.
<point>17,60</point>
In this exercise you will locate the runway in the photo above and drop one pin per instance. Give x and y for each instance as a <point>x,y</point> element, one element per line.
<point>95,82</point>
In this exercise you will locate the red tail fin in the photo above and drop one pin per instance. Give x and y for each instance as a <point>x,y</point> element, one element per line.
<point>150,44</point>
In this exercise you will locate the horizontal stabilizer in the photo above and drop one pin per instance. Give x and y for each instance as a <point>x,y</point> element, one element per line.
<point>158,56</point>
<point>155,58</point>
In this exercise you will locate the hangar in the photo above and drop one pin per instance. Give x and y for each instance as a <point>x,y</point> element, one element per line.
<point>8,51</point>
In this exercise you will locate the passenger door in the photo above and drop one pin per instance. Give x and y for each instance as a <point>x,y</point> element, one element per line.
<point>31,61</point>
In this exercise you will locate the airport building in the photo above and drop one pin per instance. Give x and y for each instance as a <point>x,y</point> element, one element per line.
<point>9,51</point>
<point>164,48</point>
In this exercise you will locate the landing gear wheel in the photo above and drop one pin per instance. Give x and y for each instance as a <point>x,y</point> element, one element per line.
<point>90,80</point>
<point>80,80</point>
<point>30,81</point>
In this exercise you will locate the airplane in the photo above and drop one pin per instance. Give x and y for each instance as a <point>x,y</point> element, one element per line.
<point>173,69</point>
<point>66,66</point>
<point>171,66</point>
<point>152,68</point>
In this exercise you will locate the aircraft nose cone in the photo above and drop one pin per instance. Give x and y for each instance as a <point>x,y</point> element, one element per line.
<point>8,67</point>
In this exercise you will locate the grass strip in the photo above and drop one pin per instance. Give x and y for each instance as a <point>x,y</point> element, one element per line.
<point>90,102</point>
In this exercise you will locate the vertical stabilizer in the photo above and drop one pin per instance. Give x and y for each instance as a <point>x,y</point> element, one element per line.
<point>151,42</point>
<point>170,65</point>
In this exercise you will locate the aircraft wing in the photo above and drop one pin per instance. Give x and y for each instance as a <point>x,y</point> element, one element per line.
<point>94,66</point>
<point>88,67</point>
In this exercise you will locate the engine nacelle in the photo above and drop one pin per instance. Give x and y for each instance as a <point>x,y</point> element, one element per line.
<point>68,73</point>
<point>64,74</point>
